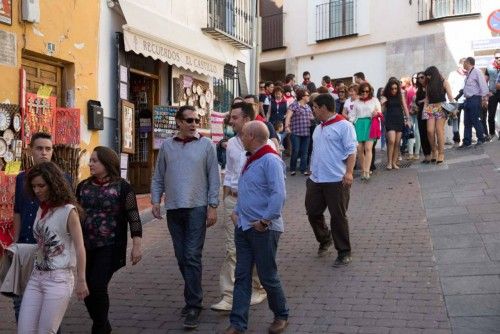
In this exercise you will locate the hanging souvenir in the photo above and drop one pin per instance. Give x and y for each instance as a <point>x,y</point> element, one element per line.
<point>16,122</point>
<point>3,147</point>
<point>8,156</point>
<point>4,119</point>
<point>8,135</point>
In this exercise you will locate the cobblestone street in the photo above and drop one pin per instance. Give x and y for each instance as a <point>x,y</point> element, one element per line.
<point>400,280</point>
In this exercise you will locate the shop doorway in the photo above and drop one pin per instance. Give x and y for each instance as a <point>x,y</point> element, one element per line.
<point>43,73</point>
<point>144,93</point>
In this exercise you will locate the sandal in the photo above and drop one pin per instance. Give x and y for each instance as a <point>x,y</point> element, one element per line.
<point>389,167</point>
<point>395,166</point>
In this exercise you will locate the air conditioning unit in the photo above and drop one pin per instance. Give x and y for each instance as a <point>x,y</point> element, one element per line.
<point>31,11</point>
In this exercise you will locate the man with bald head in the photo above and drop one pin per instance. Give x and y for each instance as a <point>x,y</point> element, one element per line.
<point>258,227</point>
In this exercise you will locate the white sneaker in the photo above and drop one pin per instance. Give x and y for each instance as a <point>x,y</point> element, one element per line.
<point>258,298</point>
<point>221,306</point>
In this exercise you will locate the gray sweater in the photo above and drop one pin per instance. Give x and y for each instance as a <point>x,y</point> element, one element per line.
<point>188,174</point>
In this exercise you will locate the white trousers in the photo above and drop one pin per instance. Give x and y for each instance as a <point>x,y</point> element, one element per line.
<point>45,301</point>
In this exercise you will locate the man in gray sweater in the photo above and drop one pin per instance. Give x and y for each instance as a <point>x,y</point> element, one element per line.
<point>187,173</point>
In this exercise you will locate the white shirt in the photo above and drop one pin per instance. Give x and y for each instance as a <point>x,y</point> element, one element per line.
<point>363,109</point>
<point>332,145</point>
<point>235,160</point>
<point>348,106</point>
<point>456,81</point>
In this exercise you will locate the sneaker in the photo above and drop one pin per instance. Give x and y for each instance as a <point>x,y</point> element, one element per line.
<point>342,260</point>
<point>184,311</point>
<point>293,173</point>
<point>258,297</point>
<point>192,318</point>
<point>463,147</point>
<point>222,306</point>
<point>324,247</point>
<point>479,143</point>
<point>278,326</point>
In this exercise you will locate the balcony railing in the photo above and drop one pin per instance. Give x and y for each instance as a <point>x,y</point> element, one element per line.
<point>272,32</point>
<point>336,18</point>
<point>231,21</point>
<point>430,10</point>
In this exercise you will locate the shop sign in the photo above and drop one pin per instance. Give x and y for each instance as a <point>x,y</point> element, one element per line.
<point>483,61</point>
<point>172,55</point>
<point>8,49</point>
<point>492,43</point>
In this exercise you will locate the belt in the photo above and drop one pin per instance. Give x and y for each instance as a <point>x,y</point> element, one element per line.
<point>233,193</point>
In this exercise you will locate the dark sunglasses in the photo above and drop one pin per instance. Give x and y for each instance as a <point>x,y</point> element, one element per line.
<point>497,58</point>
<point>421,77</point>
<point>191,120</point>
<point>365,91</point>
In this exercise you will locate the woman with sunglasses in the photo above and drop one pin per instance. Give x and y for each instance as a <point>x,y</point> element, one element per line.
<point>422,123</point>
<point>110,207</point>
<point>395,110</point>
<point>298,123</point>
<point>437,89</point>
<point>364,110</point>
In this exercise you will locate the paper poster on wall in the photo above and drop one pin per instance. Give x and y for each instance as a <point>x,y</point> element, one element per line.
<point>128,127</point>
<point>123,91</point>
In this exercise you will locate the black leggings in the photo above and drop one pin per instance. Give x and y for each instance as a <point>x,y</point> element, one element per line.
<point>99,272</point>
<point>424,140</point>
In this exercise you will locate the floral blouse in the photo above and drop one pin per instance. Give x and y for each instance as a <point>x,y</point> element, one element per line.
<point>107,208</point>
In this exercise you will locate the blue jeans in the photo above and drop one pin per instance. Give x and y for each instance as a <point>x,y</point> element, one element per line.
<point>188,228</point>
<point>472,118</point>
<point>300,145</point>
<point>259,248</point>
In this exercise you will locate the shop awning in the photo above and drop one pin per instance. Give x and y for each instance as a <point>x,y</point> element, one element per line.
<point>158,37</point>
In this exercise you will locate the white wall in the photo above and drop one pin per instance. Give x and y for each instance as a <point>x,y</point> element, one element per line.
<point>345,63</point>
<point>109,23</point>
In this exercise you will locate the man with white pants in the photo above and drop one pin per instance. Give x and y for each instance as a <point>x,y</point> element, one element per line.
<point>241,113</point>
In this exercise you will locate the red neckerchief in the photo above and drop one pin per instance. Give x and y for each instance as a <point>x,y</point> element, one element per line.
<point>283,100</point>
<point>336,119</point>
<point>101,182</point>
<point>186,140</point>
<point>45,206</point>
<point>259,117</point>
<point>365,99</point>
<point>266,149</point>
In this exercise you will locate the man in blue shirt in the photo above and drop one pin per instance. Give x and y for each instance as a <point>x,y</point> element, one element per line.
<point>258,227</point>
<point>332,164</point>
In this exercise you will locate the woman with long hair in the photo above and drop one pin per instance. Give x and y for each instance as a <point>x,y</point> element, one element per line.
<point>395,110</point>
<point>298,123</point>
<point>419,102</point>
<point>110,205</point>
<point>364,110</point>
<point>436,90</point>
<point>60,248</point>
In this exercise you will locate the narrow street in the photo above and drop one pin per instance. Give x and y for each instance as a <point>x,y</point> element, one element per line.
<point>426,251</point>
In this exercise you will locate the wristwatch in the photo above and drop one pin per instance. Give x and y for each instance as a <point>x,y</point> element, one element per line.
<point>213,206</point>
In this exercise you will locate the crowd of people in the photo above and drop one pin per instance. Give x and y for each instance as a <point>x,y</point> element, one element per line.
<point>329,128</point>
<point>410,116</point>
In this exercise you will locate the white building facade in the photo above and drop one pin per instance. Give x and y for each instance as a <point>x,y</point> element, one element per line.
<point>158,55</point>
<point>379,38</point>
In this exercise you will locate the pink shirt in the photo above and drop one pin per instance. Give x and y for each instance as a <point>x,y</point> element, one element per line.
<point>410,94</point>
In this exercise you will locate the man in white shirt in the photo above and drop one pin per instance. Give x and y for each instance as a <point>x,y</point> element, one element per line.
<point>332,164</point>
<point>456,80</point>
<point>241,113</point>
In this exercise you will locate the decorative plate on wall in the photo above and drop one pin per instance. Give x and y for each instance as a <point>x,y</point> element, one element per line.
<point>4,119</point>
<point>16,122</point>
<point>8,135</point>
<point>8,156</point>
<point>3,147</point>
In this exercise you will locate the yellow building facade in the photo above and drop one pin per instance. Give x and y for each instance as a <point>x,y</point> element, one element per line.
<point>58,50</point>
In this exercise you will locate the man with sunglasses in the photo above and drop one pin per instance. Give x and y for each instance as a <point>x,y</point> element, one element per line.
<point>307,83</point>
<point>492,73</point>
<point>187,173</point>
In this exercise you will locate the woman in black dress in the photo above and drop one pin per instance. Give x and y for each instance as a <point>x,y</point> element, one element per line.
<point>422,123</point>
<point>395,111</point>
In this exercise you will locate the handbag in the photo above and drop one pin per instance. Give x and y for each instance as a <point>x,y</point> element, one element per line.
<point>449,108</point>
<point>375,131</point>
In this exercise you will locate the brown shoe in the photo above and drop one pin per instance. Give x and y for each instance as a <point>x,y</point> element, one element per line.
<point>232,330</point>
<point>278,326</point>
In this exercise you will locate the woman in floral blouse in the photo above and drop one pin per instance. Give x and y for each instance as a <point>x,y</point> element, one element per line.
<point>110,205</point>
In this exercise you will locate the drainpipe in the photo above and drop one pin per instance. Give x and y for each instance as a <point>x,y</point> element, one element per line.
<point>255,53</point>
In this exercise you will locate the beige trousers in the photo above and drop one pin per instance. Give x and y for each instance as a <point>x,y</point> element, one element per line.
<point>226,279</point>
